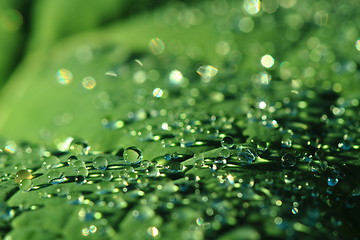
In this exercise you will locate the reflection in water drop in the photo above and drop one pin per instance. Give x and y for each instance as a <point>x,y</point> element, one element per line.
<point>100,162</point>
<point>157,46</point>
<point>22,174</point>
<point>227,142</point>
<point>64,76</point>
<point>132,155</point>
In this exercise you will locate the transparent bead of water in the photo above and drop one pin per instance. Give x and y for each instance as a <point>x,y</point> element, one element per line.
<point>247,156</point>
<point>79,147</point>
<point>212,132</point>
<point>25,185</point>
<point>317,166</point>
<point>107,175</point>
<point>152,171</point>
<point>224,153</point>
<point>174,167</point>
<point>332,180</point>
<point>78,163</point>
<point>100,162</point>
<point>22,174</point>
<point>187,140</point>
<point>227,142</point>
<point>104,187</point>
<point>50,162</point>
<point>345,145</point>
<point>262,146</point>
<point>286,141</point>
<point>82,171</point>
<point>80,179</point>
<point>52,175</point>
<point>132,155</point>
<point>288,160</point>
<point>145,164</point>
<point>71,160</point>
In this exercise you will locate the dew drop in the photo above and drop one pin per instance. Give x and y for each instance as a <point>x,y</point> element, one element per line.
<point>262,146</point>
<point>332,180</point>
<point>246,156</point>
<point>64,76</point>
<point>78,163</point>
<point>132,155</point>
<point>157,46</point>
<point>89,83</point>
<point>227,142</point>
<point>25,185</point>
<point>22,174</point>
<point>50,162</point>
<point>286,141</point>
<point>6,213</point>
<point>79,147</point>
<point>71,160</point>
<point>207,71</point>
<point>288,160</point>
<point>54,175</point>
<point>187,140</point>
<point>267,61</point>
<point>224,153</point>
<point>357,45</point>
<point>100,162</point>
<point>82,171</point>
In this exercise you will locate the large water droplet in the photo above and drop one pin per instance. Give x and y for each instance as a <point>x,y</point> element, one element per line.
<point>100,162</point>
<point>22,174</point>
<point>247,156</point>
<point>132,155</point>
<point>227,142</point>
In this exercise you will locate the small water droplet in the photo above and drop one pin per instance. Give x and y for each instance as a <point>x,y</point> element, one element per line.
<point>132,155</point>
<point>288,160</point>
<point>332,180</point>
<point>54,176</point>
<point>64,76</point>
<point>25,185</point>
<point>89,83</point>
<point>78,164</point>
<point>71,160</point>
<point>187,140</point>
<point>82,171</point>
<point>207,71</point>
<point>246,156</point>
<point>79,147</point>
<point>50,162</point>
<point>6,213</point>
<point>100,162</point>
<point>157,46</point>
<point>224,153</point>
<point>286,141</point>
<point>227,142</point>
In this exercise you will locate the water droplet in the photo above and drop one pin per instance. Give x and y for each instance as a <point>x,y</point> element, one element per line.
<point>78,164</point>
<point>152,171</point>
<point>111,74</point>
<point>157,46</point>
<point>22,174</point>
<point>267,61</point>
<point>207,71</point>
<point>286,141</point>
<point>317,166</point>
<point>174,166</point>
<point>246,156</point>
<point>158,92</point>
<point>79,147</point>
<point>89,83</point>
<point>227,142</point>
<point>50,162</point>
<point>100,162</point>
<point>107,176</point>
<point>132,155</point>
<point>153,231</point>
<point>212,132</point>
<point>64,76</point>
<point>54,175</point>
<point>252,6</point>
<point>357,45</point>
<point>104,187</point>
<point>187,140</point>
<point>82,171</point>
<point>345,145</point>
<point>80,179</point>
<point>63,190</point>
<point>295,210</point>
<point>176,78</point>
<point>332,180</point>
<point>25,185</point>
<point>262,146</point>
<point>71,160</point>
<point>288,160</point>
<point>224,153</point>
<point>146,134</point>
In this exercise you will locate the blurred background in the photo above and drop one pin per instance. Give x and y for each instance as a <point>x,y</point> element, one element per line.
<point>67,67</point>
